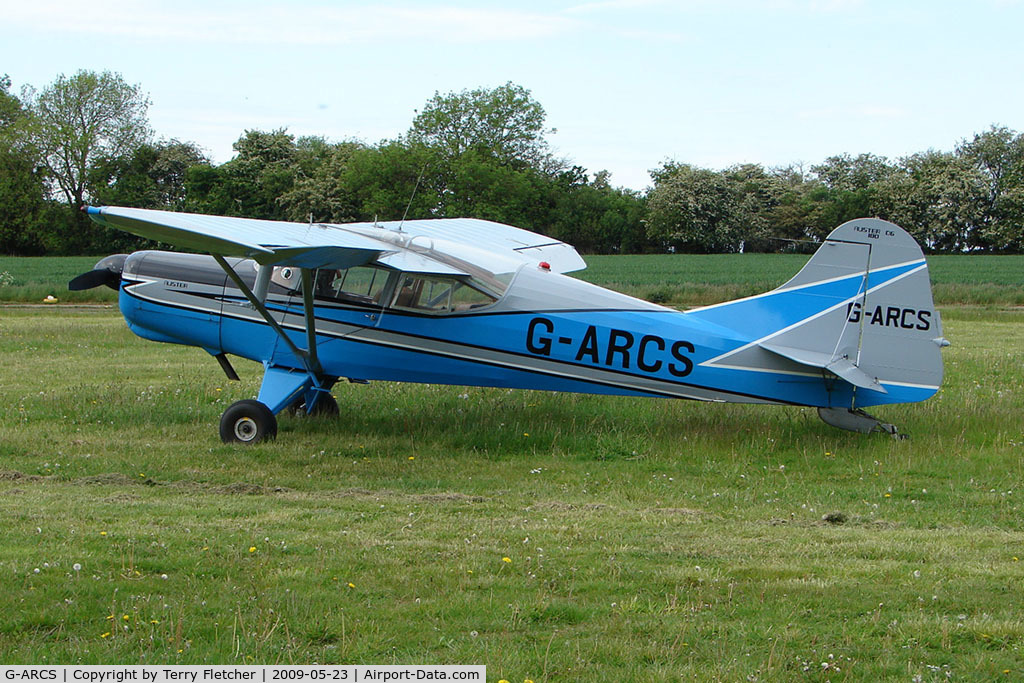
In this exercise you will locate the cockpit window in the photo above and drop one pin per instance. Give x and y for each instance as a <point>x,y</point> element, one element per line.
<point>359,284</point>
<point>377,286</point>
<point>439,295</point>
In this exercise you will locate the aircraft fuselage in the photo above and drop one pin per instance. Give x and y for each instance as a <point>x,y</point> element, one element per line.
<point>536,335</point>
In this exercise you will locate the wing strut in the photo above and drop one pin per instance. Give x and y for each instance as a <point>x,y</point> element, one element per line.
<point>308,357</point>
<point>310,318</point>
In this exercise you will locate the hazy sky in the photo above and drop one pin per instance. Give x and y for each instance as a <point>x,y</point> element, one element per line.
<point>627,84</point>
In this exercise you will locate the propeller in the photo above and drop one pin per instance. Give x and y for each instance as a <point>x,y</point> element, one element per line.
<point>106,272</point>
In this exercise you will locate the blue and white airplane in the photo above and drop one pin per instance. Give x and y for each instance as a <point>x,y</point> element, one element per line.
<point>472,302</point>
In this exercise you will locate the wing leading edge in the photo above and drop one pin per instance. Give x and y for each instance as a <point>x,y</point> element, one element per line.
<point>429,246</point>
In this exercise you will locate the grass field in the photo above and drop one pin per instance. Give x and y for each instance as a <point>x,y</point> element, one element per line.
<point>548,536</point>
<point>681,279</point>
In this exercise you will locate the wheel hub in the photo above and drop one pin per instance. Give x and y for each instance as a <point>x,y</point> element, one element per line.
<point>246,429</point>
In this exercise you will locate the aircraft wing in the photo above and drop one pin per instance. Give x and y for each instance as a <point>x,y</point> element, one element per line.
<point>430,246</point>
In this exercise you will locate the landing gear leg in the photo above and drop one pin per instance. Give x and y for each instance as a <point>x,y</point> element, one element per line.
<point>856,420</point>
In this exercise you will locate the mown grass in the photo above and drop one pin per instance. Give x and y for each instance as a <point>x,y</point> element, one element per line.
<point>646,539</point>
<point>680,279</point>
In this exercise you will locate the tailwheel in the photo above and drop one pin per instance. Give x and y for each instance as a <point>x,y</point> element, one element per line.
<point>325,406</point>
<point>247,422</point>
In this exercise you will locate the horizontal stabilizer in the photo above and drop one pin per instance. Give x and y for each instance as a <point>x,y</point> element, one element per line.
<point>840,365</point>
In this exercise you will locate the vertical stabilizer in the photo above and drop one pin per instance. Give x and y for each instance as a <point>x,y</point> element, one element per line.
<point>886,337</point>
<point>859,313</point>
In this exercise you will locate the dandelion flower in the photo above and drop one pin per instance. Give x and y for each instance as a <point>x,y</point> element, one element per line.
<point>507,559</point>
<point>252,549</point>
<point>126,617</point>
<point>351,585</point>
<point>103,533</point>
<point>412,457</point>
<point>105,635</point>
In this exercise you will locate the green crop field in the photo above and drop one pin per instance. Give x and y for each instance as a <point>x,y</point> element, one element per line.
<point>680,279</point>
<point>689,279</point>
<point>548,536</point>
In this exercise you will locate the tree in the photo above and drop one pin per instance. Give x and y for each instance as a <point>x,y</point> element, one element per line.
<point>10,106</point>
<point>595,217</point>
<point>251,184</point>
<point>394,179</point>
<point>938,198</point>
<point>758,193</point>
<point>505,122</point>
<point>152,177</point>
<point>997,155</point>
<point>694,210</point>
<point>844,172</point>
<point>76,121</point>
<point>853,187</point>
<point>22,186</point>
<point>319,190</point>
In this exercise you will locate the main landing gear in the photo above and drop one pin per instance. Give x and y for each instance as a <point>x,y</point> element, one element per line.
<point>247,422</point>
<point>250,421</point>
<point>303,385</point>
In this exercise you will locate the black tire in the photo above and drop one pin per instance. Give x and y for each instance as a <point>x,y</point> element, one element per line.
<point>247,422</point>
<point>325,406</point>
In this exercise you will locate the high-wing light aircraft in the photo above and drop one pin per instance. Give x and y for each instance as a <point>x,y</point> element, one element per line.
<point>472,302</point>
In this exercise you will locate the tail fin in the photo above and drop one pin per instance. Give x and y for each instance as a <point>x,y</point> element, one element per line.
<point>861,308</point>
<point>885,336</point>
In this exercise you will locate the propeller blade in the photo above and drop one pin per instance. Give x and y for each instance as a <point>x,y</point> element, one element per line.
<point>94,278</point>
<point>106,272</point>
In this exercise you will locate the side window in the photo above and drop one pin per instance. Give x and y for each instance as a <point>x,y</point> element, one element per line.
<point>357,285</point>
<point>438,295</point>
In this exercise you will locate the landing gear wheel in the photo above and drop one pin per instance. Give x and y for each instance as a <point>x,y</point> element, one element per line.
<point>325,406</point>
<point>247,422</point>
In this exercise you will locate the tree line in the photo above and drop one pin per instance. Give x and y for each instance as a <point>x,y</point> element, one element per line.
<point>483,153</point>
